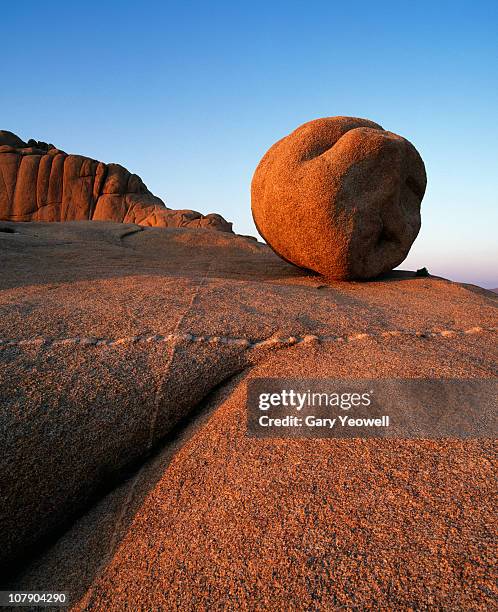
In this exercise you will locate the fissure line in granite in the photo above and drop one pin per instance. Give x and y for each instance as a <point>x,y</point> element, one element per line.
<point>250,343</point>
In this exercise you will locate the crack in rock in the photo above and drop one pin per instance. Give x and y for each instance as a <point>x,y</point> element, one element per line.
<point>272,341</point>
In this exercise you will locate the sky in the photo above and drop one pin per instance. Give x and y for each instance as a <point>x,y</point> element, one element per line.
<point>190,95</point>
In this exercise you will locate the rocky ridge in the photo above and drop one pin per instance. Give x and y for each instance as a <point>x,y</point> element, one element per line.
<point>39,182</point>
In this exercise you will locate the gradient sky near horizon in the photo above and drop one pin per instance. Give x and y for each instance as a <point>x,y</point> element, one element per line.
<point>189,95</point>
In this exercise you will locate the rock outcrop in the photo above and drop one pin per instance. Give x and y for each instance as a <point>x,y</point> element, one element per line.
<point>113,340</point>
<point>38,182</point>
<point>340,196</point>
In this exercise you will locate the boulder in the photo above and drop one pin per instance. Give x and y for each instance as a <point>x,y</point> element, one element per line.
<point>42,183</point>
<point>10,139</point>
<point>340,196</point>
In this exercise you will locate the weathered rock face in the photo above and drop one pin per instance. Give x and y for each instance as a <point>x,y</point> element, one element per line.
<point>110,339</point>
<point>340,196</point>
<point>42,183</point>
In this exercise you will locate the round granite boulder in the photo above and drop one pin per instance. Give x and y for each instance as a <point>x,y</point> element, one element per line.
<point>340,196</point>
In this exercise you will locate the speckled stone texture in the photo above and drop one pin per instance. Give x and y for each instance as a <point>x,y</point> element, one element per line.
<point>340,196</point>
<point>127,478</point>
<point>38,182</point>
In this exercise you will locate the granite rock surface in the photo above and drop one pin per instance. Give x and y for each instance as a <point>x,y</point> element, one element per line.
<point>126,474</point>
<point>39,182</point>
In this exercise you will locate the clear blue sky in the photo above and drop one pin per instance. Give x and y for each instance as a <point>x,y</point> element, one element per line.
<point>191,94</point>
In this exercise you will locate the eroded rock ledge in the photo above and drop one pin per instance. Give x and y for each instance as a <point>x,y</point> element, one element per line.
<point>39,182</point>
